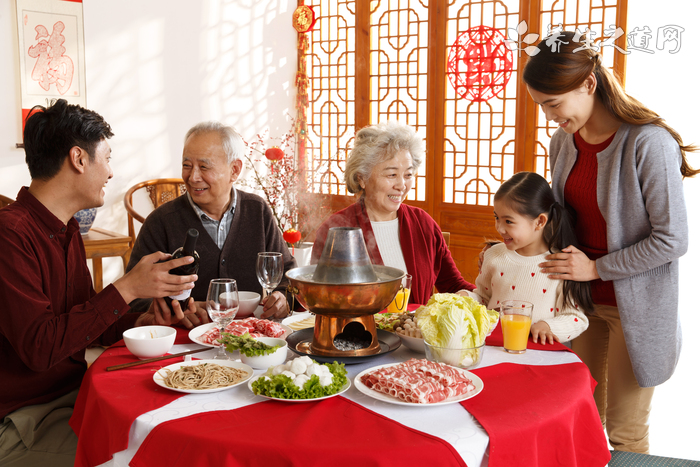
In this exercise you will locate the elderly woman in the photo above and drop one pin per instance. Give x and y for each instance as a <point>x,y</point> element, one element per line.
<point>381,169</point>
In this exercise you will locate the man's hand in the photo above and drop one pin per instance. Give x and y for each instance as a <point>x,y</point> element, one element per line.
<point>275,306</point>
<point>151,279</point>
<point>196,315</point>
<point>159,313</point>
<point>571,264</point>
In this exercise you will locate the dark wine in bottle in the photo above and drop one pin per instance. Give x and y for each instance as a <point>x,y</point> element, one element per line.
<point>186,250</point>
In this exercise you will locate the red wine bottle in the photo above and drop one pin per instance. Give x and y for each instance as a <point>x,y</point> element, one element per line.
<point>186,250</point>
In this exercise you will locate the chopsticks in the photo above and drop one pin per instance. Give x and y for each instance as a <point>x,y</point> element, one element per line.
<point>151,360</point>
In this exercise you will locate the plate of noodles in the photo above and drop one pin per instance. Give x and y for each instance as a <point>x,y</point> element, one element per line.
<point>203,376</point>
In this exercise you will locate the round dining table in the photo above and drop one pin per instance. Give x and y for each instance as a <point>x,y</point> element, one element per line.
<point>535,409</point>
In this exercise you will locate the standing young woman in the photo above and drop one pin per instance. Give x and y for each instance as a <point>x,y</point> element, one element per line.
<point>619,168</point>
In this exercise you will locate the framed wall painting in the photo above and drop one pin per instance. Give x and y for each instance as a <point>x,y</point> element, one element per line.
<point>51,52</point>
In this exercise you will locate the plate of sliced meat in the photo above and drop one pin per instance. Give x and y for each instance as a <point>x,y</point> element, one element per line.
<point>208,334</point>
<point>418,383</point>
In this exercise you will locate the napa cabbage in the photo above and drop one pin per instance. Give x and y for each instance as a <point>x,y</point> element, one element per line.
<point>455,324</point>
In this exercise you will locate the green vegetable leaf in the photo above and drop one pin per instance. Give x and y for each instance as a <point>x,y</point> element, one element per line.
<point>247,345</point>
<point>282,387</point>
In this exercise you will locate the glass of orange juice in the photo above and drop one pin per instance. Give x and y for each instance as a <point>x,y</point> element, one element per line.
<point>516,316</point>
<point>400,302</point>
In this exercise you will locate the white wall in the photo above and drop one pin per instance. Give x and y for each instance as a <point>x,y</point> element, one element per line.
<point>668,84</point>
<point>156,67</point>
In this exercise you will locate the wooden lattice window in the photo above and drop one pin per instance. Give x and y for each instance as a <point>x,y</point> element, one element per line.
<point>370,61</point>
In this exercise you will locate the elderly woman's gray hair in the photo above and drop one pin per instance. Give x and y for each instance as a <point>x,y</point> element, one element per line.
<point>378,143</point>
<point>230,139</point>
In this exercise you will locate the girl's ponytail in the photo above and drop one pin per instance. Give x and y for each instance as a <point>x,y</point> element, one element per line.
<point>559,233</point>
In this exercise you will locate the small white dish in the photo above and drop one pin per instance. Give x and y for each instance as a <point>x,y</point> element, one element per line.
<point>248,302</point>
<point>300,321</point>
<point>149,341</point>
<point>344,388</point>
<point>263,362</point>
<point>159,375</point>
<point>417,344</point>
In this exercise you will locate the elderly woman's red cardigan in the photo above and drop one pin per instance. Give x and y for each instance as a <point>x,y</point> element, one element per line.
<point>425,252</point>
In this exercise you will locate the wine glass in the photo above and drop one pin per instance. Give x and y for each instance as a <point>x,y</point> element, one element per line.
<point>269,269</point>
<point>222,306</point>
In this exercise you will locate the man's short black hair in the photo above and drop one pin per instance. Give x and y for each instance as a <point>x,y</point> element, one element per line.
<point>50,132</point>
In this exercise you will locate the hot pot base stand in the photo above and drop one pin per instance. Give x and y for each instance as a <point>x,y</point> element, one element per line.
<point>388,342</point>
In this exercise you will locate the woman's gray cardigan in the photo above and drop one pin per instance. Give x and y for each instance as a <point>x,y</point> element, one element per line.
<point>640,195</point>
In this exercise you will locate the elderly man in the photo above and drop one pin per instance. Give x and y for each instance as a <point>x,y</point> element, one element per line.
<point>234,225</point>
<point>50,312</point>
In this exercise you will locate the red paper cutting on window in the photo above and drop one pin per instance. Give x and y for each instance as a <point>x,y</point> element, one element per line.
<point>480,63</point>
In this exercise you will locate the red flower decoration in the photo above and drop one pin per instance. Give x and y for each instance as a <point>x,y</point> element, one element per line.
<point>274,153</point>
<point>291,236</point>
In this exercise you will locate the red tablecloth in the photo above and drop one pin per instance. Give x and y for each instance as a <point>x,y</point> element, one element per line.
<point>534,415</point>
<point>540,415</point>
<point>334,431</point>
<point>109,402</point>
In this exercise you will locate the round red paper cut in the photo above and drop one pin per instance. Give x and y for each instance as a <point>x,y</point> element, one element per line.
<point>480,63</point>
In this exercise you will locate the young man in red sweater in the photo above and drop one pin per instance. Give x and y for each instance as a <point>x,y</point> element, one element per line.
<point>51,312</point>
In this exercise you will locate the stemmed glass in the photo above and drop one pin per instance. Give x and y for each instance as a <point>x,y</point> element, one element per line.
<point>222,306</point>
<point>269,269</point>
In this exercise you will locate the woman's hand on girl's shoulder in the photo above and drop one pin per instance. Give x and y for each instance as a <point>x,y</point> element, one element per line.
<point>571,264</point>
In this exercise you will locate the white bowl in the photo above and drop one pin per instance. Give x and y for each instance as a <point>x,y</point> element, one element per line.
<point>248,302</point>
<point>149,341</point>
<point>414,343</point>
<point>263,362</point>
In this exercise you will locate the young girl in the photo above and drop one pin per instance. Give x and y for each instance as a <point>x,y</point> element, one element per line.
<point>533,225</point>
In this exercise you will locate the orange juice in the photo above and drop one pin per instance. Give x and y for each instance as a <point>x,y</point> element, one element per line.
<point>400,302</point>
<point>516,330</point>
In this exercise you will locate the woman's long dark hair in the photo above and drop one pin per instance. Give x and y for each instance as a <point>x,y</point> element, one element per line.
<point>563,70</point>
<point>530,195</point>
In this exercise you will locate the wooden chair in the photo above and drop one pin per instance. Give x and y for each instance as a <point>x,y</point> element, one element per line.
<point>4,201</point>
<point>160,191</point>
<point>446,236</point>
